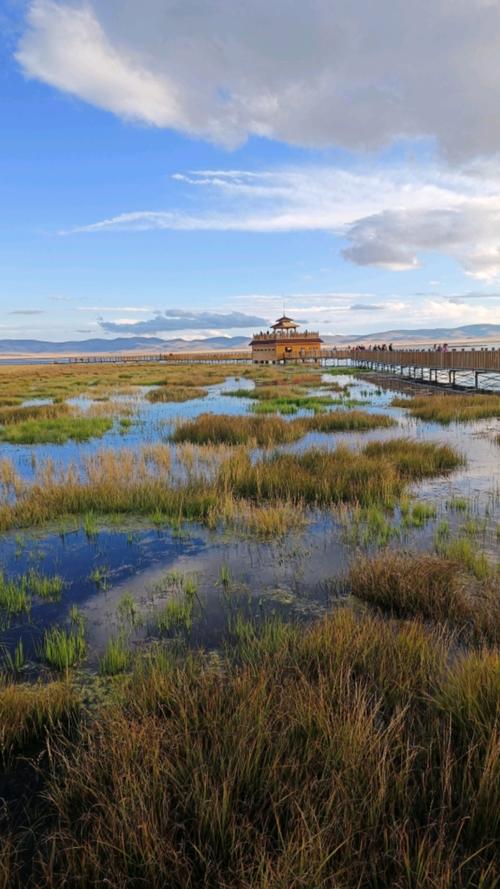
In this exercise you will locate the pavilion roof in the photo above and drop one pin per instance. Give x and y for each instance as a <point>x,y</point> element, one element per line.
<point>284,323</point>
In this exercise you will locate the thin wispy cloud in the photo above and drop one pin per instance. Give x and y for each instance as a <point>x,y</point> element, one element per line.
<point>388,217</point>
<point>26,312</point>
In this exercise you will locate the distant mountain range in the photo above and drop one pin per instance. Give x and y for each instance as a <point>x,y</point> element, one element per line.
<point>143,344</point>
<point>469,332</point>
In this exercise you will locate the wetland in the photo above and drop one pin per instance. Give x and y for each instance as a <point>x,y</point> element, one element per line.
<point>300,563</point>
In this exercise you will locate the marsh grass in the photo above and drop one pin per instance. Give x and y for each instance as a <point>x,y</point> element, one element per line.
<point>451,408</point>
<point>267,431</point>
<point>417,515</point>
<point>116,658</point>
<point>352,753</point>
<point>28,712</point>
<point>48,587</point>
<point>234,430</point>
<point>61,382</point>
<point>466,553</point>
<point>435,587</point>
<point>21,414</point>
<point>62,648</point>
<point>14,595</point>
<point>115,483</point>
<point>55,431</point>
<point>174,393</point>
<point>374,476</point>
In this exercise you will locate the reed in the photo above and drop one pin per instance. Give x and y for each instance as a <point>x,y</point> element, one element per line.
<point>451,408</point>
<point>353,753</point>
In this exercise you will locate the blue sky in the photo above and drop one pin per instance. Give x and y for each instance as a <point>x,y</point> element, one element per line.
<point>169,173</point>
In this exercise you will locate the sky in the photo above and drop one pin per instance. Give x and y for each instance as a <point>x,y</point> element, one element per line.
<point>189,167</point>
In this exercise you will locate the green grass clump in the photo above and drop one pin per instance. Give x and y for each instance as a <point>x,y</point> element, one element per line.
<point>174,393</point>
<point>451,408</point>
<point>431,586</point>
<point>465,552</point>
<point>417,515</point>
<point>48,587</point>
<point>63,648</point>
<point>57,431</point>
<point>352,753</point>
<point>14,595</point>
<point>176,613</point>
<point>116,658</point>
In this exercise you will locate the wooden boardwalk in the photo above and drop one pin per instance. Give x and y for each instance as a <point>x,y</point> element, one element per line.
<point>472,367</point>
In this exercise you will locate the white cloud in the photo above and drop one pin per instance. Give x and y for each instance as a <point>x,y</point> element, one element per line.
<point>315,72</point>
<point>389,217</point>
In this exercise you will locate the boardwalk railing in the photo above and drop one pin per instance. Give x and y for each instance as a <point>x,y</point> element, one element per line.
<point>477,359</point>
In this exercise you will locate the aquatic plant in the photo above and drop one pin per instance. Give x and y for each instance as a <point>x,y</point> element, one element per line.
<point>176,613</point>
<point>14,596</point>
<point>63,648</point>
<point>45,586</point>
<point>116,657</point>
<point>465,552</point>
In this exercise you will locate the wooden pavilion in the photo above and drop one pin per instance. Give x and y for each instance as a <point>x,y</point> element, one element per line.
<point>285,342</point>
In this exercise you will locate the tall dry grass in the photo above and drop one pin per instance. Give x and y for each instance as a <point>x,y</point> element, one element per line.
<point>432,587</point>
<point>353,754</point>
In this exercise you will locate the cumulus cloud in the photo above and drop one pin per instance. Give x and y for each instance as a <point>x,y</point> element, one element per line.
<point>315,73</point>
<point>177,320</point>
<point>387,216</point>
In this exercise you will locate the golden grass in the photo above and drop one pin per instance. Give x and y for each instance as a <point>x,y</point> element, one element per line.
<point>354,753</point>
<point>376,475</point>
<point>429,586</point>
<point>140,482</point>
<point>265,431</point>
<point>451,408</point>
<point>28,711</point>
<point>174,393</point>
